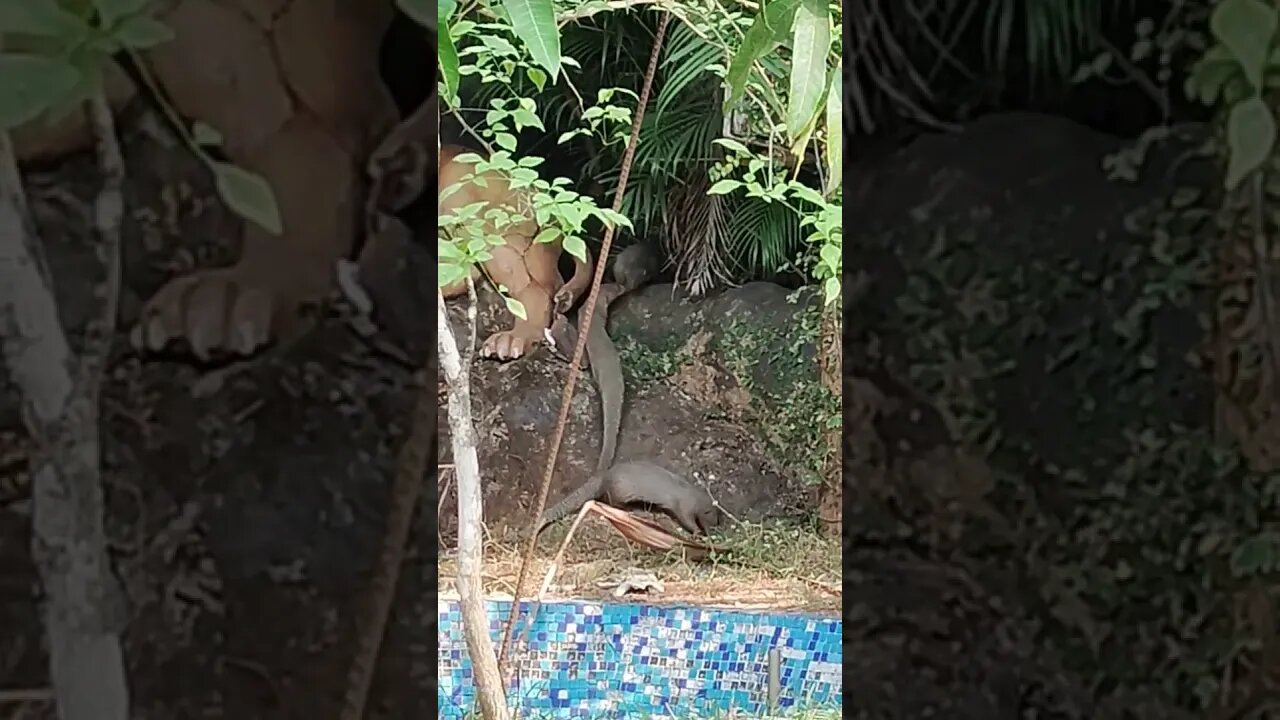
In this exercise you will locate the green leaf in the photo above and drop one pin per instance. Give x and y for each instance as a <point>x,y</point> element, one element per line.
<point>830,254</point>
<point>1256,555</point>
<point>111,11</point>
<point>766,31</point>
<point>534,22</point>
<point>449,273</point>
<point>506,141</point>
<point>723,187</point>
<point>731,144</point>
<point>835,131</point>
<point>90,67</point>
<point>447,57</point>
<point>575,247</point>
<point>32,84</point>
<point>516,307</point>
<point>537,77</point>
<point>420,10</point>
<point>249,196</point>
<point>831,289</point>
<point>141,32</point>
<point>498,45</point>
<point>1251,135</point>
<point>801,141</point>
<point>547,235</point>
<point>609,216</point>
<point>448,250</point>
<point>805,192</point>
<point>205,135</point>
<point>1210,74</point>
<point>810,43</point>
<point>41,18</point>
<point>1245,28</point>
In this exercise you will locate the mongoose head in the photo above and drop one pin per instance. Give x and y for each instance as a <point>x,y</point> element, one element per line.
<point>707,518</point>
<point>561,336</point>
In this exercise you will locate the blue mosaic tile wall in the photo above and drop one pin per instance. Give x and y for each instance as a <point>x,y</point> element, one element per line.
<point>585,659</point>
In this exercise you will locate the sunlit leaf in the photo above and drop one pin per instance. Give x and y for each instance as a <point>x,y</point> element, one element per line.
<point>722,187</point>
<point>811,41</point>
<point>575,246</point>
<point>767,30</point>
<point>534,22</point>
<point>516,307</point>
<point>449,273</point>
<point>835,131</point>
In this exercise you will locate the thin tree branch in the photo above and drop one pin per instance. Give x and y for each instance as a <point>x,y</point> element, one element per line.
<point>84,608</point>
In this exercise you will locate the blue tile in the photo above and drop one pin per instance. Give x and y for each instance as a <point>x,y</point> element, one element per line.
<point>641,660</point>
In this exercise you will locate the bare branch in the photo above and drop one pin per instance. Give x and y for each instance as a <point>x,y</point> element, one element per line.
<point>475,622</point>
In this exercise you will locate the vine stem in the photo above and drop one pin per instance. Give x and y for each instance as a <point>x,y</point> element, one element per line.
<point>588,313</point>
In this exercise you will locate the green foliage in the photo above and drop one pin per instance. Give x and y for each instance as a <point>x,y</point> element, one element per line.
<point>813,99</point>
<point>767,31</point>
<point>500,55</point>
<point>77,41</point>
<point>534,22</point>
<point>811,43</point>
<point>34,85</point>
<point>1237,71</point>
<point>666,192</point>
<point>744,170</point>
<point>468,234</point>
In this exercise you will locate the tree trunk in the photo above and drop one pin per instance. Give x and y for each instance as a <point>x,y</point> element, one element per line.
<point>475,621</point>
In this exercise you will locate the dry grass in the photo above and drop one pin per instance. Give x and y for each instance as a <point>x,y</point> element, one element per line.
<point>773,566</point>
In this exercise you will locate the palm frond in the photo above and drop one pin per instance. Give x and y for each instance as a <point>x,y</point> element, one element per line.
<point>765,237</point>
<point>696,234</point>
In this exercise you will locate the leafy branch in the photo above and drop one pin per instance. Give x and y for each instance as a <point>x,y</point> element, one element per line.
<point>74,45</point>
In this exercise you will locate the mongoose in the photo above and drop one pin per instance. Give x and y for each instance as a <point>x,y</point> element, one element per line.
<point>605,364</point>
<point>633,267</point>
<point>636,265</point>
<point>645,484</point>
